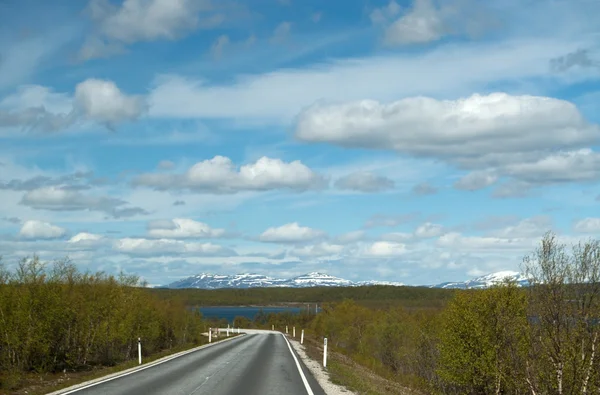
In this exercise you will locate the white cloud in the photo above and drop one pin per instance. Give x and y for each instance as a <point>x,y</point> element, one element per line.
<point>350,237</point>
<point>85,237</point>
<point>35,107</point>
<point>139,246</point>
<point>147,20</point>
<point>103,101</point>
<point>33,229</point>
<point>364,181</point>
<point>428,230</point>
<point>422,24</point>
<point>182,228</point>
<point>384,249</point>
<point>60,199</point>
<point>476,180</point>
<point>533,227</point>
<point>456,241</point>
<point>495,123</point>
<point>514,136</point>
<point>259,98</point>
<point>318,250</point>
<point>588,225</point>
<point>291,233</point>
<point>219,175</point>
<point>425,22</point>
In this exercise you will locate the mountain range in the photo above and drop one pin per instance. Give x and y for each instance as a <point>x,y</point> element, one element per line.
<point>316,279</point>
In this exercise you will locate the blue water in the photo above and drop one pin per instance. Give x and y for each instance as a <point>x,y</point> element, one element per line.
<point>229,313</point>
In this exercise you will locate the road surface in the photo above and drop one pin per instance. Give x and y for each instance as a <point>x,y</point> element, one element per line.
<point>260,362</point>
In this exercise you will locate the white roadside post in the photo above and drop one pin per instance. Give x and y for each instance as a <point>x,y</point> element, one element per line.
<point>302,337</point>
<point>272,327</point>
<point>286,330</point>
<point>325,353</point>
<point>294,332</point>
<point>210,335</point>
<point>139,351</point>
<point>227,330</point>
<point>238,330</point>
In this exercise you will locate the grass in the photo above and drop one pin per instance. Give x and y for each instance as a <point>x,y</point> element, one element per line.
<point>347,373</point>
<point>40,384</point>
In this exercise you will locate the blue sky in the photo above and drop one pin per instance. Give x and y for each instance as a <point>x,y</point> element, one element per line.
<point>416,141</point>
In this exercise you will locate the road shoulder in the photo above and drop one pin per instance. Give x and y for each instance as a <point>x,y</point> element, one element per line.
<point>316,369</point>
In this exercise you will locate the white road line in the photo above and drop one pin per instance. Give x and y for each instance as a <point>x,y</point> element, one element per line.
<point>306,385</point>
<point>151,365</point>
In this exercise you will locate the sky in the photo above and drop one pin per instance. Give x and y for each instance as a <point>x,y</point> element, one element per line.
<point>411,141</point>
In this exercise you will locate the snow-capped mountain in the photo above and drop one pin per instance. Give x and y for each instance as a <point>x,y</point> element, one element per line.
<point>487,281</point>
<point>375,282</point>
<point>316,279</point>
<point>215,281</point>
<point>248,280</point>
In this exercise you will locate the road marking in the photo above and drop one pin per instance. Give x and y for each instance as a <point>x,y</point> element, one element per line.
<point>151,365</point>
<point>306,385</point>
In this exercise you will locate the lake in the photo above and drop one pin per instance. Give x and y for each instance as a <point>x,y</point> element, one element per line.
<point>229,313</point>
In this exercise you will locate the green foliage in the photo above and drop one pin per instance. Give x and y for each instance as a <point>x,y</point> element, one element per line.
<point>377,296</point>
<point>55,318</point>
<point>484,341</point>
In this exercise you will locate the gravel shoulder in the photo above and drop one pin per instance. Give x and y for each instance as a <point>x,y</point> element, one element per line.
<point>318,372</point>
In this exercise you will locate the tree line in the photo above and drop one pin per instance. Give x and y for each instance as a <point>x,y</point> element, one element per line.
<point>55,318</point>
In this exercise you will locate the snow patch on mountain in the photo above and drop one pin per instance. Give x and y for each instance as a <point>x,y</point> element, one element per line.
<point>317,279</point>
<point>487,281</point>
<point>250,280</point>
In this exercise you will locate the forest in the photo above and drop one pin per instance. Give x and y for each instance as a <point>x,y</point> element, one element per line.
<point>540,339</point>
<point>54,318</point>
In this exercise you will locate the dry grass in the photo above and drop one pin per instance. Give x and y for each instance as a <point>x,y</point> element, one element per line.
<point>355,377</point>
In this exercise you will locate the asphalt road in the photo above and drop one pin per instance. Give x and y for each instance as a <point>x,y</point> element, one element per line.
<point>253,364</point>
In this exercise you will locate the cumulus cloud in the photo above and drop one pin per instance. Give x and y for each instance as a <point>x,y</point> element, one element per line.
<point>514,136</point>
<point>472,126</point>
<point>60,199</point>
<point>364,181</point>
<point>425,22</point>
<point>588,225</point>
<point>102,101</point>
<point>37,108</point>
<point>220,175</point>
<point>158,247</point>
<point>33,229</point>
<point>182,228</point>
<point>291,233</point>
<point>144,20</point>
